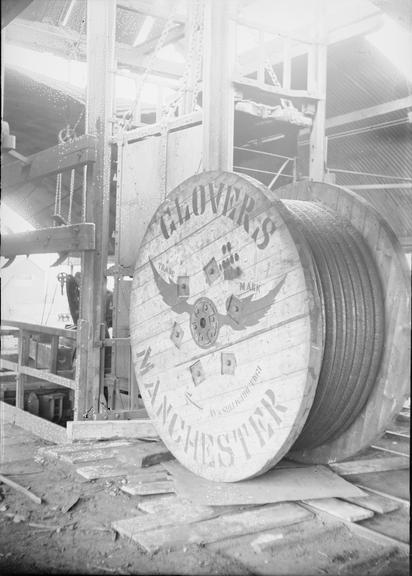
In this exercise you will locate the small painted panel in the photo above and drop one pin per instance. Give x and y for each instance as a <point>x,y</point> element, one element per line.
<point>212,271</point>
<point>177,335</point>
<point>228,363</point>
<point>183,290</point>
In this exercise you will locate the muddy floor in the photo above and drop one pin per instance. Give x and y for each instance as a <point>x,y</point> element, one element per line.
<point>47,539</point>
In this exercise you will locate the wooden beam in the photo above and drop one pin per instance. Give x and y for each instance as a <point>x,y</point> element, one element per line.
<point>38,426</point>
<point>155,129</point>
<point>190,52</point>
<point>46,37</point>
<point>101,27</point>
<point>303,95</point>
<point>175,34</point>
<point>108,429</point>
<point>23,371</point>
<point>218,93</point>
<point>360,27</point>
<point>317,70</point>
<point>73,238</point>
<point>82,350</point>
<point>274,48</point>
<point>51,161</point>
<point>38,329</point>
<point>403,186</point>
<point>23,360</point>
<point>151,8</point>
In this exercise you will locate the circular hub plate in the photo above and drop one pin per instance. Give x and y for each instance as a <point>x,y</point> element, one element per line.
<point>225,330</point>
<point>204,323</point>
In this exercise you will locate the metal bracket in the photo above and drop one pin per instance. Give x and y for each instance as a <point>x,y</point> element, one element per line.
<point>183,290</point>
<point>228,363</point>
<point>176,335</point>
<point>234,308</point>
<point>211,271</point>
<point>198,374</point>
<point>119,270</point>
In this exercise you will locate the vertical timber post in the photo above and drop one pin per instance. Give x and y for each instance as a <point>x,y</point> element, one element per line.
<point>218,93</point>
<point>101,26</point>
<point>193,9</point>
<point>317,70</point>
<point>2,64</point>
<point>23,360</point>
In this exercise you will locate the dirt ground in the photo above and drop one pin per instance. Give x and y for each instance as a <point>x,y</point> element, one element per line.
<point>45,539</point>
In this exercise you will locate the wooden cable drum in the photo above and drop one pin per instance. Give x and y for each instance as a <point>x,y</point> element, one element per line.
<point>261,327</point>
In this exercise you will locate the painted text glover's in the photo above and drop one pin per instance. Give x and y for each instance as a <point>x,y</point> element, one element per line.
<point>223,199</point>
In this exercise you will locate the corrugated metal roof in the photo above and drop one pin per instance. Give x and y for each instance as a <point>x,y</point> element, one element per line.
<point>395,206</point>
<point>359,76</point>
<point>384,150</point>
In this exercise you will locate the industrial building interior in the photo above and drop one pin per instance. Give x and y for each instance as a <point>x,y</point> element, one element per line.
<point>206,238</point>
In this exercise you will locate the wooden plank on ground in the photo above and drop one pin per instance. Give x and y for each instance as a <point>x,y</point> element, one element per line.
<point>78,448</point>
<point>370,465</point>
<point>174,515</point>
<point>277,485</point>
<point>163,504</point>
<point>341,509</point>
<point>38,426</point>
<point>398,435</point>
<point>95,455</point>
<point>375,503</point>
<point>149,488</point>
<point>402,501</point>
<point>232,525</point>
<point>145,454</point>
<point>109,429</point>
<point>399,432</point>
<point>110,469</point>
<point>20,489</point>
<point>393,445</point>
<point>395,524</point>
<point>145,475</point>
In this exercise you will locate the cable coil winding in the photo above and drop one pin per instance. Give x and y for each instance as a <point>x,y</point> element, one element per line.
<point>352,299</point>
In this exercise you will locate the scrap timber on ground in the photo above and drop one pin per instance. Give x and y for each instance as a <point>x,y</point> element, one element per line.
<point>126,506</point>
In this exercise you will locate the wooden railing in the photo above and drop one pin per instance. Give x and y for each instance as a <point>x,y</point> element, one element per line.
<point>25,333</point>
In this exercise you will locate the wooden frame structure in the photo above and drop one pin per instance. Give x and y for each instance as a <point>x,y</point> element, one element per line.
<point>210,132</point>
<point>89,238</point>
<point>222,91</point>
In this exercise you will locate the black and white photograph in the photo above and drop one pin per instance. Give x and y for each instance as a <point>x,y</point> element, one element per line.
<point>206,240</point>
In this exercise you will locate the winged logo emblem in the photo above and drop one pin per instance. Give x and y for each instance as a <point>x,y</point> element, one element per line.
<point>205,320</point>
